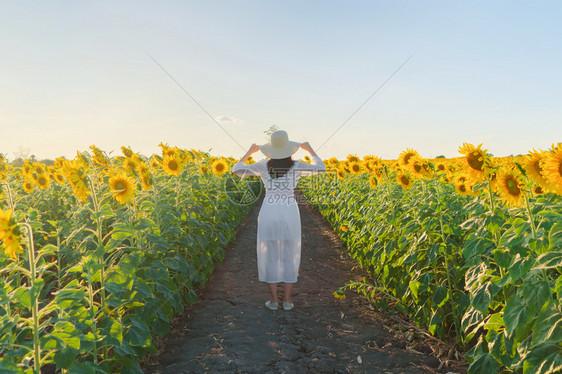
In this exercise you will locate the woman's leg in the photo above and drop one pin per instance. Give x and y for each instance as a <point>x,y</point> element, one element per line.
<point>273,291</point>
<point>288,289</point>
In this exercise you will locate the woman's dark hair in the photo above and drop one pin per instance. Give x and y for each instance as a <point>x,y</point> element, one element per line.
<point>277,167</point>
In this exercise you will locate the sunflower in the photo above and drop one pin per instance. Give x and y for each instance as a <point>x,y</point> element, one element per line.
<point>77,179</point>
<point>404,180</point>
<point>406,155</point>
<point>154,164</point>
<point>219,167</point>
<point>463,188</point>
<point>353,158</point>
<point>27,168</point>
<point>369,165</point>
<point>343,228</point>
<point>419,167</point>
<point>172,165</point>
<point>355,167</point>
<point>204,169</point>
<point>171,152</point>
<point>146,179</point>
<point>373,181</point>
<point>341,174</point>
<point>476,160</point>
<point>510,186</point>
<point>537,190</point>
<point>123,187</point>
<point>38,168</point>
<point>339,294</point>
<point>552,167</point>
<point>460,178</point>
<point>42,181</point>
<point>9,234</point>
<point>59,178</point>
<point>6,221</point>
<point>81,191</point>
<point>28,185</point>
<point>440,166</point>
<point>379,171</point>
<point>82,160</point>
<point>130,165</point>
<point>98,157</point>
<point>127,151</point>
<point>250,160</point>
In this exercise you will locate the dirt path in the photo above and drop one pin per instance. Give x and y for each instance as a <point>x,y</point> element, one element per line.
<point>229,330</point>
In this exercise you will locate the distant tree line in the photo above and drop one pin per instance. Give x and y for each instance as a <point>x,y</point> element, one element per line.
<point>19,161</point>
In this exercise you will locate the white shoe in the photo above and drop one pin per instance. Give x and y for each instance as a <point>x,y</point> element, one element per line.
<point>271,306</point>
<point>288,305</point>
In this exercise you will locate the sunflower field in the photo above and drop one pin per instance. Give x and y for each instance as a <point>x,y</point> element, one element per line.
<point>469,247</point>
<point>98,253</point>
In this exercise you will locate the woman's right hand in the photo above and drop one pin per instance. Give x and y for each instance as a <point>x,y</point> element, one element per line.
<point>306,146</point>
<point>254,148</point>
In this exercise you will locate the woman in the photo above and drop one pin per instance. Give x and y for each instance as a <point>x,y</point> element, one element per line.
<point>279,224</point>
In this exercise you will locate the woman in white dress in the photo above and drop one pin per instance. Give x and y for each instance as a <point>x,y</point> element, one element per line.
<point>279,225</point>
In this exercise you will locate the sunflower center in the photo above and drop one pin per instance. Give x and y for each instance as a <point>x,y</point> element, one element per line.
<point>462,188</point>
<point>417,168</point>
<point>441,167</point>
<point>560,168</point>
<point>119,186</point>
<point>173,165</point>
<point>220,167</point>
<point>512,187</point>
<point>407,158</point>
<point>405,181</point>
<point>475,162</point>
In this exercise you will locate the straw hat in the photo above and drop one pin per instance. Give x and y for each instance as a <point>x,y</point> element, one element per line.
<point>279,146</point>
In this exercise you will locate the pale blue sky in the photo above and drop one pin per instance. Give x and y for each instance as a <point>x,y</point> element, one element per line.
<point>76,73</point>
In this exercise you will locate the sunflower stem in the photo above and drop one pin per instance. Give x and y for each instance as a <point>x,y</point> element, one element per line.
<point>177,191</point>
<point>101,262</point>
<point>34,300</point>
<point>59,275</point>
<point>492,199</point>
<point>10,198</point>
<point>531,217</point>
<point>92,314</point>
<point>458,331</point>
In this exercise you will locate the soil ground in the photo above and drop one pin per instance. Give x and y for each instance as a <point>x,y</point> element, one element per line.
<point>229,330</point>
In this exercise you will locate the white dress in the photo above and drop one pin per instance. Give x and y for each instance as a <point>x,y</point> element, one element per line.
<point>279,223</point>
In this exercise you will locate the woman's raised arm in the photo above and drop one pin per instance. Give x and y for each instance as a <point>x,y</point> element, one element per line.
<point>316,166</point>
<point>246,170</point>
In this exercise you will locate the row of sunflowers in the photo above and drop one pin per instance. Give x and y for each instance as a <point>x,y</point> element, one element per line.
<point>123,174</point>
<point>510,177</point>
<point>99,254</point>
<point>469,247</point>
